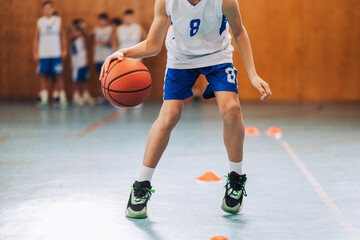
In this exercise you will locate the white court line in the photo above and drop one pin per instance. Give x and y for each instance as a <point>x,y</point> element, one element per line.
<point>343,221</point>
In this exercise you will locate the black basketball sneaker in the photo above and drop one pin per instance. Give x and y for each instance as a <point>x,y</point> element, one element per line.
<point>234,193</point>
<point>139,196</point>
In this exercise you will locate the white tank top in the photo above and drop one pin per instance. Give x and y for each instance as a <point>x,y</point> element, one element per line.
<point>49,37</point>
<point>198,36</point>
<point>101,51</point>
<point>128,35</point>
<point>78,53</point>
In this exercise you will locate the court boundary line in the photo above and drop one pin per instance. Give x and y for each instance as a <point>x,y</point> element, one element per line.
<point>94,126</point>
<point>330,204</point>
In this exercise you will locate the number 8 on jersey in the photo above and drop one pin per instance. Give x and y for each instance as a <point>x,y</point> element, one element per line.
<point>194,27</point>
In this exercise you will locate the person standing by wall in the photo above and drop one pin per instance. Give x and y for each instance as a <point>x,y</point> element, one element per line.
<point>79,63</point>
<point>49,50</point>
<point>102,40</point>
<point>129,33</point>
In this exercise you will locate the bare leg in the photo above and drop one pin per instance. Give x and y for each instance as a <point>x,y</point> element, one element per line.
<point>234,130</point>
<point>43,82</point>
<point>59,85</point>
<point>160,131</point>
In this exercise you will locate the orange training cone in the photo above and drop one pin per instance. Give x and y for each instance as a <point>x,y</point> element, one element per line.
<point>275,132</point>
<point>252,131</point>
<point>209,177</point>
<point>219,238</point>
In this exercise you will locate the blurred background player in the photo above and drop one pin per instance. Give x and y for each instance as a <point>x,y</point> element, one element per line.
<point>129,33</point>
<point>102,44</point>
<point>102,41</point>
<point>115,22</point>
<point>79,64</point>
<point>49,50</point>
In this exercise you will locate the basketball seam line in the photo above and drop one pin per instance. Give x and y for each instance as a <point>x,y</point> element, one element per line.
<point>108,91</point>
<point>140,70</point>
<point>107,76</point>
<point>125,105</point>
<point>127,91</point>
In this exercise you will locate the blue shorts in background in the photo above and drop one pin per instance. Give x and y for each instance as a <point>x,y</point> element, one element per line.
<point>80,75</point>
<point>50,66</point>
<point>98,66</point>
<point>179,82</point>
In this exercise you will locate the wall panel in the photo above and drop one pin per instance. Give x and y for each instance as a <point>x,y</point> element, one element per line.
<point>308,50</point>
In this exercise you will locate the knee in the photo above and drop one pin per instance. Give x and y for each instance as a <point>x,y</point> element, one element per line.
<point>231,114</point>
<point>170,118</point>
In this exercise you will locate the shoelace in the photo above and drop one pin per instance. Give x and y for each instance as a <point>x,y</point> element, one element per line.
<point>235,186</point>
<point>142,193</point>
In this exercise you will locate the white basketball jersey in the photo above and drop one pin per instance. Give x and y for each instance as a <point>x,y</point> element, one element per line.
<point>49,38</point>
<point>101,51</point>
<point>198,36</point>
<point>128,35</point>
<point>78,53</point>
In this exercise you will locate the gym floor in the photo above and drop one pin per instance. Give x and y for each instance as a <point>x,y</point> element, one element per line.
<point>67,174</point>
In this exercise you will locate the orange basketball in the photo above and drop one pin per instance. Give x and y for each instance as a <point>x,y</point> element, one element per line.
<point>127,83</point>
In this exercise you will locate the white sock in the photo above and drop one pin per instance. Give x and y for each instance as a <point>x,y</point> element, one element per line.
<point>146,174</point>
<point>236,167</point>
<point>86,95</point>
<point>62,95</point>
<point>44,95</point>
<point>55,94</point>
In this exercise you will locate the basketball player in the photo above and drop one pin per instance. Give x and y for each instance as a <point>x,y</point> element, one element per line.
<point>79,65</point>
<point>102,43</point>
<point>129,33</point>
<point>49,49</point>
<point>198,42</point>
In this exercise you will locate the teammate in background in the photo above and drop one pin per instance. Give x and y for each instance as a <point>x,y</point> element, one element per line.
<point>49,50</point>
<point>79,65</point>
<point>102,45</point>
<point>83,26</point>
<point>198,42</point>
<point>129,33</point>
<point>102,40</point>
<point>115,22</point>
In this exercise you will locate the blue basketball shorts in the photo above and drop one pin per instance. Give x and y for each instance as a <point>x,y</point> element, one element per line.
<point>98,66</point>
<point>80,75</point>
<point>50,66</point>
<point>179,82</point>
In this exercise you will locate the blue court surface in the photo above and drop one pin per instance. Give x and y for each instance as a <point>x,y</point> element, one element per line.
<point>66,174</point>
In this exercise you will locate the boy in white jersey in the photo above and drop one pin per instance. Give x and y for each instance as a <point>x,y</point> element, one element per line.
<point>198,42</point>
<point>129,33</point>
<point>49,49</point>
<point>79,65</point>
<point>102,43</point>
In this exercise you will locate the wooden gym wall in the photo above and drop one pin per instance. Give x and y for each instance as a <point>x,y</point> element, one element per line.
<point>308,50</point>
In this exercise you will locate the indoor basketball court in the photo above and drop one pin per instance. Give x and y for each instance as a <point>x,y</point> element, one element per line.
<point>66,168</point>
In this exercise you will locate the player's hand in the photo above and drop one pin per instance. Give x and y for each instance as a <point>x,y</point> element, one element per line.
<point>262,86</point>
<point>105,67</point>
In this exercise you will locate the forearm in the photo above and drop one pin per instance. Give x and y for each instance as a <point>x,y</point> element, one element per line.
<point>244,46</point>
<point>141,50</point>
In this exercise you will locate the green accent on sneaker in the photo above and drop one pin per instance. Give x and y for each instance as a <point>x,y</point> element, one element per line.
<point>136,214</point>
<point>43,105</point>
<point>64,104</point>
<point>137,202</point>
<point>235,195</point>
<point>232,210</point>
